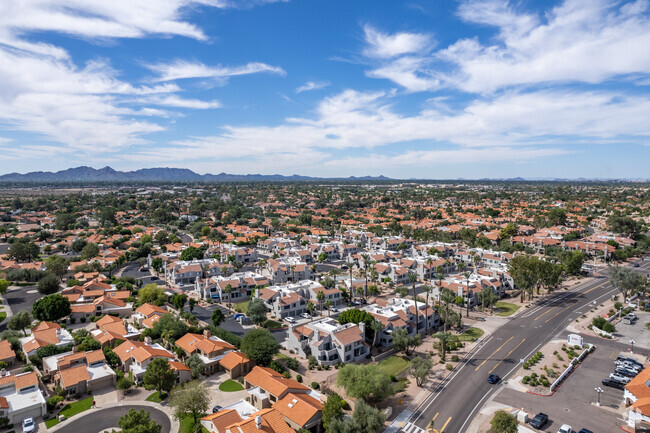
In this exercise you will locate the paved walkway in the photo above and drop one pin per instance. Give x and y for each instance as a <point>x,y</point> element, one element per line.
<point>7,309</point>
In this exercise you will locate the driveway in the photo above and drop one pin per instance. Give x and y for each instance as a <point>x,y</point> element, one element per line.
<point>97,420</point>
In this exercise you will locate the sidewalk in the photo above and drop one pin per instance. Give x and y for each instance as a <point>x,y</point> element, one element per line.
<point>7,310</point>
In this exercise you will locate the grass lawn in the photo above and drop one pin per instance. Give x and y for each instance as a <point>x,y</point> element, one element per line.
<point>506,308</point>
<point>242,307</point>
<point>3,315</point>
<point>394,365</point>
<point>70,410</point>
<point>230,386</point>
<point>472,334</point>
<point>156,397</point>
<point>186,426</point>
<point>272,324</point>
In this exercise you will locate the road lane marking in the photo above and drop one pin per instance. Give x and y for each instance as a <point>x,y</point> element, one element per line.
<point>506,357</point>
<point>493,353</point>
<point>556,314</point>
<point>544,313</point>
<point>435,416</point>
<point>444,426</point>
<point>594,288</point>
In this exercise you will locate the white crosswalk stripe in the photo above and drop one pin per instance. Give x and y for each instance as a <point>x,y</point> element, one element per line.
<point>412,428</point>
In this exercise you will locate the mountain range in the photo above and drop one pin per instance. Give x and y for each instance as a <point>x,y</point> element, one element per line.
<point>162,174</point>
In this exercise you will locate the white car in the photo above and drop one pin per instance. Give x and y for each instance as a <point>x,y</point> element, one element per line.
<point>305,316</point>
<point>334,309</point>
<point>565,429</point>
<point>29,425</point>
<point>290,319</point>
<point>619,378</point>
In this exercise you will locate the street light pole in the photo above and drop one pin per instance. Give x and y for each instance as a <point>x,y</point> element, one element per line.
<point>598,390</point>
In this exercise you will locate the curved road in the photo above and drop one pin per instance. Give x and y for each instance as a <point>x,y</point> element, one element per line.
<point>103,419</point>
<point>453,404</point>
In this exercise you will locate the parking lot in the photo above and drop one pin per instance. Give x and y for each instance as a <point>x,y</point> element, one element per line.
<point>636,331</point>
<point>574,403</point>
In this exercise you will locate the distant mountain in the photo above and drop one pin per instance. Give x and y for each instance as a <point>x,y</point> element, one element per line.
<point>162,174</point>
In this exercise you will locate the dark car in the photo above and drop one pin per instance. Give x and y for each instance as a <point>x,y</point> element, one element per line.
<point>613,383</point>
<point>539,420</point>
<point>584,430</point>
<point>626,372</point>
<point>493,379</point>
<point>216,409</point>
<point>153,278</point>
<point>636,265</point>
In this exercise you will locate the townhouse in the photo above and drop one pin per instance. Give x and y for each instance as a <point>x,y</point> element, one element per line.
<point>399,313</point>
<point>135,356</point>
<point>111,329</point>
<point>328,341</point>
<point>78,372</point>
<point>236,364</point>
<point>288,269</point>
<point>147,314</point>
<point>20,396</point>
<point>209,348</point>
<point>238,287</point>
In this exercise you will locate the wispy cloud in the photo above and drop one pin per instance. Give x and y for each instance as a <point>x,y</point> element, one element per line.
<point>181,69</point>
<point>312,85</point>
<point>385,45</point>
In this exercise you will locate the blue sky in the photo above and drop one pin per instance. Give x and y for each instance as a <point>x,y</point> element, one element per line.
<point>427,89</point>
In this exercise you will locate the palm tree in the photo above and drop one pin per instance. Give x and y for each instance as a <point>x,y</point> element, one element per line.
<point>366,263</point>
<point>228,290</point>
<point>447,296</point>
<point>427,289</point>
<point>443,338</point>
<point>376,326</point>
<point>467,274</point>
<point>310,307</point>
<point>293,273</point>
<point>328,305</point>
<point>413,278</point>
<point>321,297</point>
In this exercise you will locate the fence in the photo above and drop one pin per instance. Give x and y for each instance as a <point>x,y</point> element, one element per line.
<point>572,365</point>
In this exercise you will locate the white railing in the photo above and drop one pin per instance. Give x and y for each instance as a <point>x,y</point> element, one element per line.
<point>571,366</point>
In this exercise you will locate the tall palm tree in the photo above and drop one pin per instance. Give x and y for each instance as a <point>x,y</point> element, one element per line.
<point>377,327</point>
<point>413,278</point>
<point>310,307</point>
<point>228,290</point>
<point>328,305</point>
<point>427,289</point>
<point>321,297</point>
<point>350,265</point>
<point>467,274</point>
<point>443,338</point>
<point>447,296</point>
<point>429,263</point>
<point>366,263</point>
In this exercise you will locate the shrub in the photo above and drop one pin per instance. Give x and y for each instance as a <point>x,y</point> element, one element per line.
<point>393,378</point>
<point>454,358</point>
<point>292,364</point>
<point>82,320</point>
<point>449,367</point>
<point>73,320</point>
<point>286,375</point>
<point>598,322</point>
<point>608,327</point>
<point>311,359</point>
<point>52,402</point>
<point>315,385</point>
<point>299,378</point>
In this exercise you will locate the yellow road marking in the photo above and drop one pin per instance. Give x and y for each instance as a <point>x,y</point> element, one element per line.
<point>435,416</point>
<point>612,355</point>
<point>506,357</point>
<point>443,427</point>
<point>546,312</point>
<point>556,314</point>
<point>493,353</point>
<point>583,293</point>
<point>594,288</point>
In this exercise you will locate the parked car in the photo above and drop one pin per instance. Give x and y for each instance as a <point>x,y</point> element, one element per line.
<point>290,319</point>
<point>29,425</point>
<point>619,378</point>
<point>479,319</point>
<point>334,309</point>
<point>584,430</point>
<point>636,265</point>
<point>614,384</point>
<point>626,372</point>
<point>539,420</point>
<point>629,366</point>
<point>621,359</point>
<point>238,315</point>
<point>305,316</point>
<point>566,428</point>
<point>153,278</point>
<point>356,302</point>
<point>493,379</point>
<point>216,409</point>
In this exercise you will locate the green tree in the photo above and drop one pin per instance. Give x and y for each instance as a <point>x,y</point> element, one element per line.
<point>192,304</point>
<point>260,346</point>
<point>78,245</point>
<point>159,375</point>
<point>376,327</point>
<point>420,368</point>
<point>124,384</point>
<point>169,327</point>
<point>503,422</point>
<point>332,409</point>
<point>354,315</point>
<point>443,338</point>
<point>4,285</point>
<point>217,317</point>
<point>192,253</point>
<point>365,419</point>
<point>157,264</point>
<point>48,284</point>
<point>191,399</point>
<point>524,273</point>
<point>626,280</point>
<point>368,382</point>
<point>196,365</point>
<point>152,294</point>
<point>509,231</point>
<point>90,251</point>
<point>178,301</point>
<point>57,265</point>
<point>257,311</point>
<point>404,342</point>
<point>138,421</point>
<point>20,321</point>
<point>51,308</point>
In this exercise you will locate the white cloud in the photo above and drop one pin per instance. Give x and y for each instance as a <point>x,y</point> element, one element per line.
<point>181,69</point>
<point>384,45</point>
<point>176,101</point>
<point>312,85</point>
<point>577,41</point>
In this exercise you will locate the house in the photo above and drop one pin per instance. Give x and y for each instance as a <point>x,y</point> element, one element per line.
<point>301,411</point>
<point>183,372</point>
<point>283,303</point>
<point>234,419</point>
<point>236,364</point>
<point>235,288</point>
<point>266,387</point>
<point>45,334</point>
<point>76,372</point>
<point>112,329</point>
<point>146,313</point>
<point>330,342</point>
<point>637,398</point>
<point>135,356</point>
<point>20,397</point>
<point>209,348</point>
<point>396,313</point>
<point>7,354</point>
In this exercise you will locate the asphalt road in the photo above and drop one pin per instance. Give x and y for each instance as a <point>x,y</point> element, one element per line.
<point>19,299</point>
<point>454,403</point>
<point>103,419</point>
